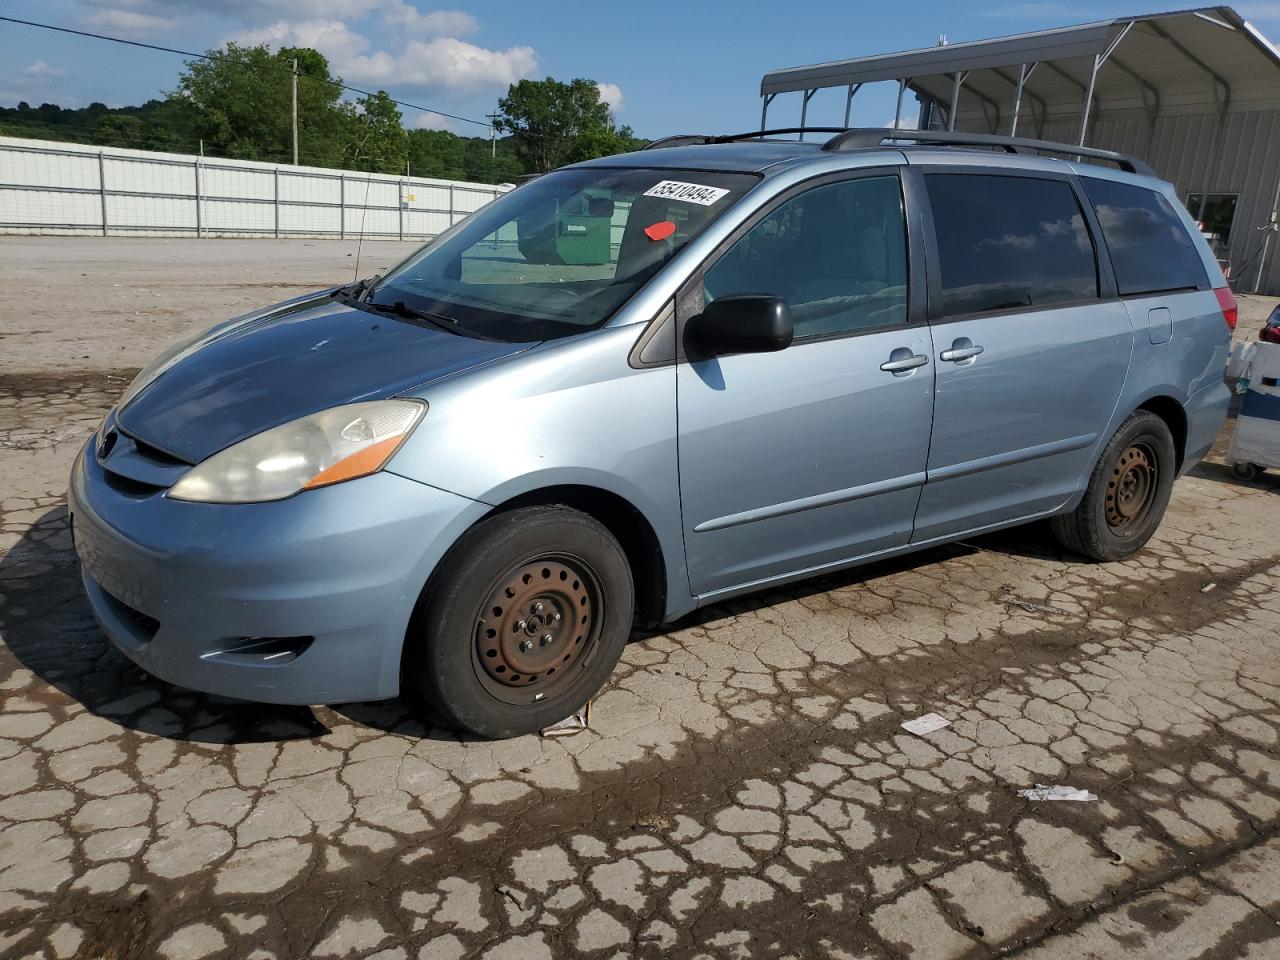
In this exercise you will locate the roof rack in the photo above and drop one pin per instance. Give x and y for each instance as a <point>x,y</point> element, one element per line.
<point>679,140</point>
<point>864,138</point>
<point>689,139</point>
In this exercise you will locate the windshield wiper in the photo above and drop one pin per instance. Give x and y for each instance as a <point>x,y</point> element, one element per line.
<point>353,291</point>
<point>402,309</point>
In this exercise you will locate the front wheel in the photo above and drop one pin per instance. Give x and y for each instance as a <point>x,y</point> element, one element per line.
<point>525,621</point>
<point>1127,494</point>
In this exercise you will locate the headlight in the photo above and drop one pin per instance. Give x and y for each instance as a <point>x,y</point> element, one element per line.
<point>326,447</point>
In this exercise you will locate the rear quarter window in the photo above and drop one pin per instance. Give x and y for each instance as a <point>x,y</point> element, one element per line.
<point>1151,250</point>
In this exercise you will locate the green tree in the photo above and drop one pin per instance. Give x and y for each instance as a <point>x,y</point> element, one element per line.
<point>445,155</point>
<point>377,141</point>
<point>120,130</point>
<point>435,153</point>
<point>242,103</point>
<point>555,123</point>
<point>603,142</point>
<point>155,125</point>
<point>490,163</point>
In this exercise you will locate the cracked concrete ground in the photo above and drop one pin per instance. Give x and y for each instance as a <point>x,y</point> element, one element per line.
<point>744,791</point>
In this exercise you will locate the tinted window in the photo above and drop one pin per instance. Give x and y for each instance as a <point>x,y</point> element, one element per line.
<point>1009,242</point>
<point>836,253</point>
<point>1150,248</point>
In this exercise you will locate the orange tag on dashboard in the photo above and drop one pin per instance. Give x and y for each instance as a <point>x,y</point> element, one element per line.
<point>660,230</point>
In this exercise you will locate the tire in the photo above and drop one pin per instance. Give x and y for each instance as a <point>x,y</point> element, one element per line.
<point>1246,471</point>
<point>495,651</point>
<point>1127,495</point>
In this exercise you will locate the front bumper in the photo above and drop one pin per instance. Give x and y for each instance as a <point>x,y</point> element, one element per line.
<point>296,601</point>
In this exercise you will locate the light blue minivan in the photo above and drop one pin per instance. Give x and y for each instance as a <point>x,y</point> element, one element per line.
<point>640,385</point>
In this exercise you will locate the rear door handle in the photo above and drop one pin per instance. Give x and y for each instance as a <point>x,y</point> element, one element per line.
<point>902,360</point>
<point>962,348</point>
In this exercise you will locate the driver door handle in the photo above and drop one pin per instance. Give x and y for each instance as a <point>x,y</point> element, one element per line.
<point>962,348</point>
<point>901,364</point>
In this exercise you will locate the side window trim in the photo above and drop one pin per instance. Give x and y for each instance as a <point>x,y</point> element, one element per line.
<point>690,297</point>
<point>1102,266</point>
<point>1107,286</point>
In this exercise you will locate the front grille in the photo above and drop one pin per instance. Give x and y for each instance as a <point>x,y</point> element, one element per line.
<point>108,443</point>
<point>136,468</point>
<point>128,486</point>
<point>143,626</point>
<point>155,453</point>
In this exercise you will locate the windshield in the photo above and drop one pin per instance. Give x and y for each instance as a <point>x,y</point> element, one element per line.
<point>560,254</point>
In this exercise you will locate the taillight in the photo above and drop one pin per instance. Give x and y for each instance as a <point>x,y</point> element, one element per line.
<point>1230,312</point>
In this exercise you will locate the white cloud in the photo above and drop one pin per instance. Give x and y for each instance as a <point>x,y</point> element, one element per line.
<point>129,21</point>
<point>308,8</point>
<point>611,94</point>
<point>333,38</point>
<point>39,70</point>
<point>442,23</point>
<point>442,62</point>
<point>14,97</point>
<point>251,11</point>
<point>439,62</point>
<point>402,13</point>
<point>43,83</point>
<point>910,119</point>
<point>430,121</point>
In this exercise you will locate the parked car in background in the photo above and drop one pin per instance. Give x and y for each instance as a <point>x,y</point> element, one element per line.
<point>1270,332</point>
<point>644,384</point>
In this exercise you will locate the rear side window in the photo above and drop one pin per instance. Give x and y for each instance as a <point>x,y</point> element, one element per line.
<point>1149,245</point>
<point>1008,242</point>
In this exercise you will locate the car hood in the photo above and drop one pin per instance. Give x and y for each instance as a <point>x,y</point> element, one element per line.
<point>306,355</point>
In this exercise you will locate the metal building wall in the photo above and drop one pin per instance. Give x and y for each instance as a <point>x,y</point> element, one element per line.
<point>1198,155</point>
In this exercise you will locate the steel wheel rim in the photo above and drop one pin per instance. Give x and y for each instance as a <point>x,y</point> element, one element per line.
<point>1131,488</point>
<point>537,629</point>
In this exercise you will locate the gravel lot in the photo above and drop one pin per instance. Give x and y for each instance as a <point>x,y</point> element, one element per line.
<point>744,790</point>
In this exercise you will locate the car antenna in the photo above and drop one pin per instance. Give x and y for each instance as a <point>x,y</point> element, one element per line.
<point>364,212</point>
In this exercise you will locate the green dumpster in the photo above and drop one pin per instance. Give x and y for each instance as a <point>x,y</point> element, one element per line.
<point>582,233</point>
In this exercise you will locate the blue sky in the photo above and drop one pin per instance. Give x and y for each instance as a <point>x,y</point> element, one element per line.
<point>666,67</point>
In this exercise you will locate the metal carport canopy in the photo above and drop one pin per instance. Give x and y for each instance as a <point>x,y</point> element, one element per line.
<point>1201,60</point>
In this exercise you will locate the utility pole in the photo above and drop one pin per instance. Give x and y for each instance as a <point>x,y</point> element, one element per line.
<point>295,111</point>
<point>493,135</point>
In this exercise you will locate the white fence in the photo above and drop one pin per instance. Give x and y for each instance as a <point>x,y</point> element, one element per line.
<point>68,188</point>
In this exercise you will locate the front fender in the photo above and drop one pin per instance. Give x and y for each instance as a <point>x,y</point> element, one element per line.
<point>571,412</point>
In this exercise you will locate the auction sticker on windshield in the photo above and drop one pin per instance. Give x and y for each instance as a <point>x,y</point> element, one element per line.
<point>688,192</point>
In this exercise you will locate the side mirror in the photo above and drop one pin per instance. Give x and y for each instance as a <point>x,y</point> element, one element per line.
<point>741,323</point>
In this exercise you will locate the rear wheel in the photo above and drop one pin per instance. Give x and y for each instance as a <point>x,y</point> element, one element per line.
<point>526,620</point>
<point>1127,495</point>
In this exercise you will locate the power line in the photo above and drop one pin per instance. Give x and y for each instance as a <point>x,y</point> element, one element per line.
<point>216,58</point>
